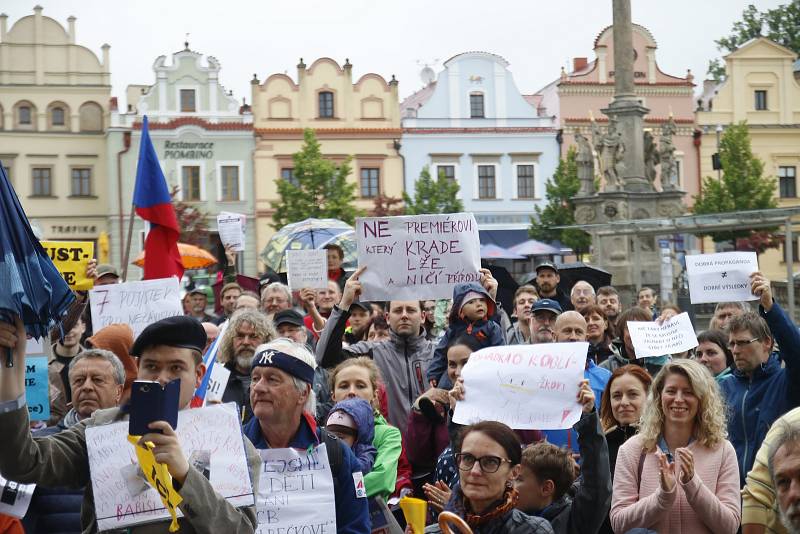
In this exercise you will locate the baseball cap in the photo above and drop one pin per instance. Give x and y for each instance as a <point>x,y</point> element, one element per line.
<point>288,317</point>
<point>106,269</point>
<point>341,418</point>
<point>547,304</point>
<point>546,265</point>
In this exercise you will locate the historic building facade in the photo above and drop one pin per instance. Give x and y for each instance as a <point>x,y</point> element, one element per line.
<point>54,112</point>
<point>577,97</point>
<point>358,119</point>
<point>472,124</point>
<point>204,140</point>
<point>762,88</point>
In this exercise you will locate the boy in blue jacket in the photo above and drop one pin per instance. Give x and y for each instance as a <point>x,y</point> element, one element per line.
<point>472,314</point>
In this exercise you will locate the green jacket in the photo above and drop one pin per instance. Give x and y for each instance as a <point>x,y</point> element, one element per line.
<point>61,460</point>
<point>383,477</point>
<point>725,373</point>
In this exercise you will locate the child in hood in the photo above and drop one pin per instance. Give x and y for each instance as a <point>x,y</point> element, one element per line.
<point>353,422</point>
<point>472,315</point>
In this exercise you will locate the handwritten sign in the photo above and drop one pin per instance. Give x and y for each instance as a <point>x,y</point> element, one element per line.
<point>217,383</point>
<point>415,257</point>
<point>15,498</point>
<point>231,228</point>
<point>37,388</point>
<point>671,337</point>
<point>295,493</point>
<point>71,259</point>
<point>136,304</point>
<point>211,439</point>
<point>307,268</point>
<point>523,386</point>
<point>721,277</point>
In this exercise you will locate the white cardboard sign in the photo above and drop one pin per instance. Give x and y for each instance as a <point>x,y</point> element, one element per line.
<point>523,386</point>
<point>307,268</point>
<point>231,228</point>
<point>136,304</point>
<point>15,498</point>
<point>295,492</point>
<point>211,439</point>
<point>721,277</point>
<point>217,383</point>
<point>415,257</point>
<point>670,337</point>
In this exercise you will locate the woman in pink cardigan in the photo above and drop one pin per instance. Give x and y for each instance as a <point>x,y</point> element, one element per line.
<point>679,474</point>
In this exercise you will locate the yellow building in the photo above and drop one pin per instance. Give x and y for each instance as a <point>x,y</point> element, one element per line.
<point>360,119</point>
<point>54,106</point>
<point>761,88</point>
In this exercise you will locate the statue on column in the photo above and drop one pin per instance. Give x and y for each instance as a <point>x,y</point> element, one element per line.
<point>651,158</point>
<point>585,160</point>
<point>610,151</point>
<point>666,150</point>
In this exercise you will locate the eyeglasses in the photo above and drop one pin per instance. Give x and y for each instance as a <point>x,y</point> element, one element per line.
<point>741,342</point>
<point>429,308</point>
<point>489,464</point>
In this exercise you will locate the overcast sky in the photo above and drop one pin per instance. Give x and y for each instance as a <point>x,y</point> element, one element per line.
<point>388,37</point>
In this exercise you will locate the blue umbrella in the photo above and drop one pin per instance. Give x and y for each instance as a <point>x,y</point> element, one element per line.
<point>30,285</point>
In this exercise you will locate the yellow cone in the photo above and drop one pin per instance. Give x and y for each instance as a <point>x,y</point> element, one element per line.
<point>414,511</point>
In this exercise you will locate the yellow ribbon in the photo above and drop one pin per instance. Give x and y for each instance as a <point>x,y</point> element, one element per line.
<point>158,477</point>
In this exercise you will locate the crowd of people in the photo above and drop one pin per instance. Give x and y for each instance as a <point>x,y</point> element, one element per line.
<point>706,440</point>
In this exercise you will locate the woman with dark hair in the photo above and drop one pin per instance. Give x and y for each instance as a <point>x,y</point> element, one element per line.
<point>488,455</point>
<point>624,353</point>
<point>713,352</point>
<point>599,333</point>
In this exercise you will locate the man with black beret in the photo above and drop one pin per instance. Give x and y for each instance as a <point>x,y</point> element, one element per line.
<point>167,350</point>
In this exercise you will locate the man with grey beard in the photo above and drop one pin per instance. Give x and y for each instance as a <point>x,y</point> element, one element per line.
<point>247,329</point>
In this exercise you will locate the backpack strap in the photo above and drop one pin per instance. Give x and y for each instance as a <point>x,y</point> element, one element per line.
<point>335,454</point>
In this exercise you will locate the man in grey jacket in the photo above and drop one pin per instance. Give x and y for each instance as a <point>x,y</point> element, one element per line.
<point>402,359</point>
<point>168,349</point>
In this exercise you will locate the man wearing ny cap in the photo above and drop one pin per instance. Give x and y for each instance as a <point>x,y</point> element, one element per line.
<point>283,407</point>
<point>547,279</point>
<point>168,349</point>
<point>543,321</point>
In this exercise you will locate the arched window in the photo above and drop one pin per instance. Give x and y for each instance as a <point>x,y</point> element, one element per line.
<point>24,116</point>
<point>91,117</point>
<point>58,116</point>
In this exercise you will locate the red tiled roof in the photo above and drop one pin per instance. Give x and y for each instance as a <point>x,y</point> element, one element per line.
<point>195,121</point>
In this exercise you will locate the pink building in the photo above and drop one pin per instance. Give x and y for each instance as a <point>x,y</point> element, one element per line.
<point>579,95</point>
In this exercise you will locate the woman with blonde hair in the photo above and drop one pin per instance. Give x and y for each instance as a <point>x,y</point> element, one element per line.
<point>679,473</point>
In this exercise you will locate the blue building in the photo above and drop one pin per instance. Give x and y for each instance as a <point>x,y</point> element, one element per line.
<point>472,124</point>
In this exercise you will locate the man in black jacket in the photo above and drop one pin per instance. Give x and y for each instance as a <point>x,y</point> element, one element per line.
<point>547,279</point>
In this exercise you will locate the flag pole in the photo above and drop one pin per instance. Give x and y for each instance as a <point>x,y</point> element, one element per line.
<point>126,255</point>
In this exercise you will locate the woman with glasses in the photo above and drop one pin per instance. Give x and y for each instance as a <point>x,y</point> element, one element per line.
<point>680,473</point>
<point>488,457</point>
<point>712,351</point>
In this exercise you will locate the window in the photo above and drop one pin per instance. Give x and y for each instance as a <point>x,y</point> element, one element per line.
<point>370,180</point>
<point>81,182</point>
<point>230,182</point>
<point>795,246</point>
<point>57,116</point>
<point>761,100</point>
<point>525,181</point>
<point>788,181</point>
<point>191,182</point>
<point>187,100</point>
<point>326,105</point>
<point>287,173</point>
<point>476,106</point>
<point>25,115</point>
<point>486,182</point>
<point>448,171</point>
<point>42,182</point>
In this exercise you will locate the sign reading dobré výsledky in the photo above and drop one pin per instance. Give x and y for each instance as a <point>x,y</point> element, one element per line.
<point>721,277</point>
<point>415,257</point>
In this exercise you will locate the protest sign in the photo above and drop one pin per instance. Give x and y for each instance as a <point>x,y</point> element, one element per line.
<point>211,439</point>
<point>217,382</point>
<point>136,304</point>
<point>307,268</point>
<point>15,498</point>
<point>71,259</point>
<point>231,229</point>
<point>671,337</point>
<point>37,388</point>
<point>721,277</point>
<point>523,386</point>
<point>417,257</point>
<point>295,493</point>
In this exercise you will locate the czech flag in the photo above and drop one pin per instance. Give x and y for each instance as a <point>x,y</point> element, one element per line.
<point>154,204</point>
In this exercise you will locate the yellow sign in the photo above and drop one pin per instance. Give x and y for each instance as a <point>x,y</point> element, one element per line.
<point>159,478</point>
<point>71,259</point>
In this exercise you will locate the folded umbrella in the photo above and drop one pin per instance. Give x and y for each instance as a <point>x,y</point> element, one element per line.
<point>30,285</point>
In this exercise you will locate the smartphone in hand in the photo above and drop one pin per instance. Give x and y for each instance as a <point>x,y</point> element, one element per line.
<point>151,402</point>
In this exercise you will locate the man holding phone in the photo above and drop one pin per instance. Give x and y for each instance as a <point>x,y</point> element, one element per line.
<point>167,350</point>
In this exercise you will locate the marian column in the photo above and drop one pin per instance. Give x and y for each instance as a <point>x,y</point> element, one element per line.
<point>626,107</point>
